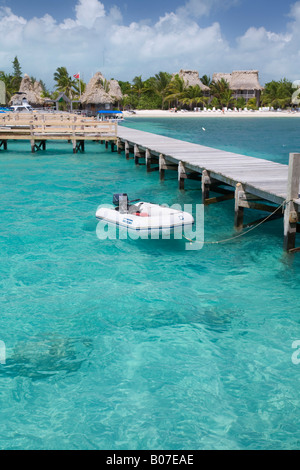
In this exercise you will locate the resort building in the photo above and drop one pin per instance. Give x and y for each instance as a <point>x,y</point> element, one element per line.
<point>245,84</point>
<point>191,78</point>
<point>101,94</point>
<point>30,92</point>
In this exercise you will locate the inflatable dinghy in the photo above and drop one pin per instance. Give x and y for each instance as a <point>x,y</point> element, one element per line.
<point>143,216</point>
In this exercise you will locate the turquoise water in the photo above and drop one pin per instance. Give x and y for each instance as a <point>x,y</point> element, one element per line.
<point>269,138</point>
<point>142,344</point>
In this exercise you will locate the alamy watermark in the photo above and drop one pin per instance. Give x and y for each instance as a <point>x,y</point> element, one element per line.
<point>173,223</point>
<point>296,354</point>
<point>2,353</point>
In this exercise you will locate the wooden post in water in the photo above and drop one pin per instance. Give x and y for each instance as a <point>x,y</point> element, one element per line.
<point>127,150</point>
<point>238,210</point>
<point>32,142</point>
<point>205,184</point>
<point>137,154</point>
<point>148,160</point>
<point>162,164</point>
<point>181,175</point>
<point>291,212</point>
<point>119,146</point>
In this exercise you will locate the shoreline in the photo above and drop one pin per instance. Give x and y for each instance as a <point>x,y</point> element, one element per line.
<point>195,114</point>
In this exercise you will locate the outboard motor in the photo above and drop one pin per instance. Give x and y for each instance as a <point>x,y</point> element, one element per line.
<point>121,200</point>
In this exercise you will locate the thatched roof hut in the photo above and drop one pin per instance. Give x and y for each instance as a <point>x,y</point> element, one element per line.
<point>101,93</point>
<point>32,91</point>
<point>191,78</point>
<point>240,79</point>
<point>115,90</point>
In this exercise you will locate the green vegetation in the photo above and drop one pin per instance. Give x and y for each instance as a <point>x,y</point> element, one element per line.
<point>12,80</point>
<point>17,72</point>
<point>277,94</point>
<point>161,91</point>
<point>65,83</point>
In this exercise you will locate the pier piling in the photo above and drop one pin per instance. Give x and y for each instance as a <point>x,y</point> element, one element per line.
<point>238,209</point>
<point>291,212</point>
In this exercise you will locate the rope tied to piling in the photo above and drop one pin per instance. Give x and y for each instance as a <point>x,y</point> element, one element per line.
<point>282,206</point>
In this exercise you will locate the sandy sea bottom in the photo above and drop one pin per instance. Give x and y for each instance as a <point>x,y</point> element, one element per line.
<point>142,344</point>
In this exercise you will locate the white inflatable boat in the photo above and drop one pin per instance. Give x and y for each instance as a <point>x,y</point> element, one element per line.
<point>143,216</point>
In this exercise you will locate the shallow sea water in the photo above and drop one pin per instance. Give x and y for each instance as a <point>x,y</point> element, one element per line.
<point>142,344</point>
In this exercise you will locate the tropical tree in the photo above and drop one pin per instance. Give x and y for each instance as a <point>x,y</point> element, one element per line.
<point>214,102</point>
<point>175,90</point>
<point>160,83</point>
<point>192,96</point>
<point>125,87</point>
<point>251,104</point>
<point>206,80</point>
<point>277,94</point>
<point>227,98</point>
<point>46,93</point>
<point>17,73</point>
<point>138,86</point>
<point>241,103</point>
<point>220,90</point>
<point>65,83</point>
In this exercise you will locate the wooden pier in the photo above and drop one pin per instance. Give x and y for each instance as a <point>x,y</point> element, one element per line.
<point>253,183</point>
<point>40,128</point>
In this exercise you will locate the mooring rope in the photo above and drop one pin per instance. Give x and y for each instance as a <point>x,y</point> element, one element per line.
<point>243,233</point>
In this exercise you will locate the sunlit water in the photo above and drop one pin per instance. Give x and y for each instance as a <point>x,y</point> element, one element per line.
<point>142,344</point>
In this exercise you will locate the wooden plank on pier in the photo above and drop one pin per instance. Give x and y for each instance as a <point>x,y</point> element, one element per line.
<point>259,177</point>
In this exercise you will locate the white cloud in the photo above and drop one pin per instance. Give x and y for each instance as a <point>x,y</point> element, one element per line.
<point>7,15</point>
<point>96,39</point>
<point>199,8</point>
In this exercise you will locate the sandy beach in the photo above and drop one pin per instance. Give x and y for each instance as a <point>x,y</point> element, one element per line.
<point>194,114</point>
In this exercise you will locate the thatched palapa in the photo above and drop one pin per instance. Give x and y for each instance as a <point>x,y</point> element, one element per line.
<point>29,90</point>
<point>191,78</point>
<point>101,93</point>
<point>240,79</point>
<point>244,83</point>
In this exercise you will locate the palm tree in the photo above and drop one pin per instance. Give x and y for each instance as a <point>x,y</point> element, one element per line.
<point>175,90</point>
<point>138,85</point>
<point>227,98</point>
<point>161,82</point>
<point>206,80</point>
<point>193,95</point>
<point>241,103</point>
<point>277,94</point>
<point>156,87</point>
<point>64,82</point>
<point>222,92</point>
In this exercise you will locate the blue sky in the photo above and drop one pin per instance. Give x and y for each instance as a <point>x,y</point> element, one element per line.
<point>235,18</point>
<point>132,37</point>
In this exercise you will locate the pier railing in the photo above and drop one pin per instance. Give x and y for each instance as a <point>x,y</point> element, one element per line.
<point>37,127</point>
